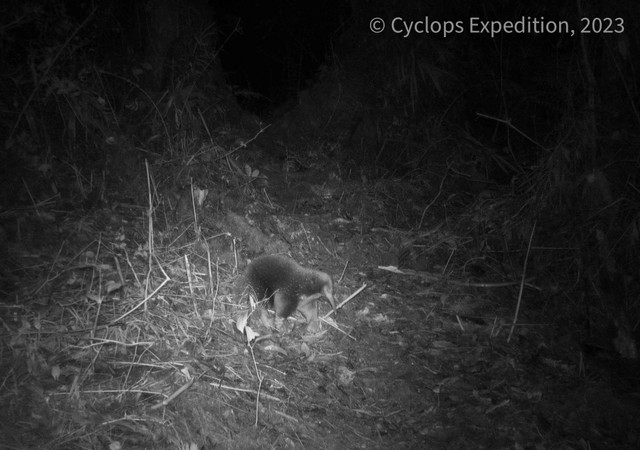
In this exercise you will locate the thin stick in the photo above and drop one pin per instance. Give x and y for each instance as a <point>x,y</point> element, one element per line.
<point>345,301</point>
<point>214,295</point>
<point>146,299</point>
<point>343,271</point>
<point>524,272</point>
<point>149,232</point>
<point>426,208</point>
<point>260,378</point>
<point>168,400</point>
<point>508,123</point>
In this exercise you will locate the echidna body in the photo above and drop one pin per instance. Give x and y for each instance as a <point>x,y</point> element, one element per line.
<point>289,286</point>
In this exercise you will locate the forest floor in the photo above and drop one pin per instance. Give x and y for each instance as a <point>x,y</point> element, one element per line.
<point>113,340</point>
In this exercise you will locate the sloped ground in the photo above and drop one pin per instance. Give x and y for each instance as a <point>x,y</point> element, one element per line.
<point>113,341</point>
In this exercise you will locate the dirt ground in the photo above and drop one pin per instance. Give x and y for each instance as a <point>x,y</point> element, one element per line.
<point>100,352</point>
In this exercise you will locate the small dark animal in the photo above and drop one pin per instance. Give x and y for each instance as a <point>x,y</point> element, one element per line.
<point>289,286</point>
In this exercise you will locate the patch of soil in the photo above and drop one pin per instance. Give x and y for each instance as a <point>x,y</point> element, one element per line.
<point>110,343</point>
